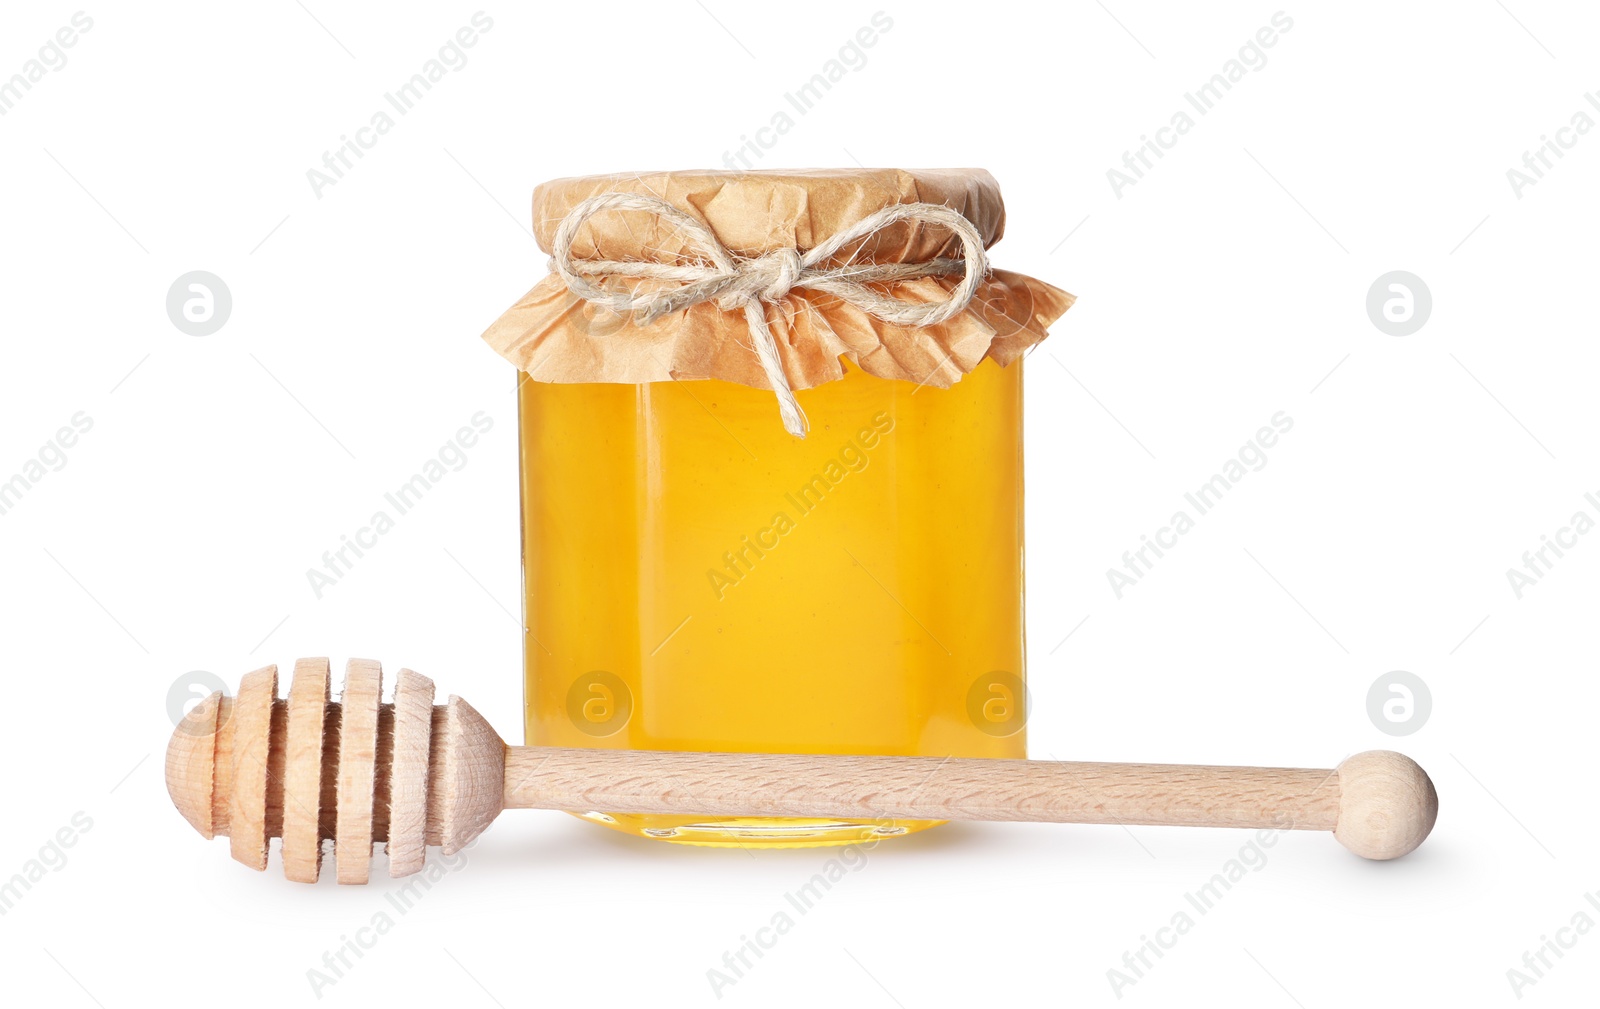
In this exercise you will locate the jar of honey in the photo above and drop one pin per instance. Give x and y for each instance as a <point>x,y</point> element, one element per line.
<point>698,576</point>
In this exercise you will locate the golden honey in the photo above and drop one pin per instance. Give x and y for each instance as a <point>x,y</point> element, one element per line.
<point>698,579</point>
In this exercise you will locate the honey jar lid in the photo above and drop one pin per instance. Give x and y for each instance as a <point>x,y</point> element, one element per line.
<point>753,213</point>
<point>769,278</point>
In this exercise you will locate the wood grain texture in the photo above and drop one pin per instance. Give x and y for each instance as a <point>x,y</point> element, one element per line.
<point>1387,804</point>
<point>920,788</point>
<point>358,760</point>
<point>252,736</point>
<point>221,795</point>
<point>408,773</point>
<point>302,803</point>
<point>472,776</point>
<point>191,764</point>
<point>439,743</point>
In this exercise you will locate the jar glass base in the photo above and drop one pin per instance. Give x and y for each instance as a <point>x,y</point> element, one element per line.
<point>755,831</point>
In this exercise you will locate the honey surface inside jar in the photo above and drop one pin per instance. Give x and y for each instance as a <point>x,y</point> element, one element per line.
<point>698,579</point>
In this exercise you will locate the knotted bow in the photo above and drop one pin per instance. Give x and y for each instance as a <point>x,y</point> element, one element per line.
<point>734,282</point>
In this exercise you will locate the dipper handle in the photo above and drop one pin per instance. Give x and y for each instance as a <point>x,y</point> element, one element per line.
<point>1379,804</point>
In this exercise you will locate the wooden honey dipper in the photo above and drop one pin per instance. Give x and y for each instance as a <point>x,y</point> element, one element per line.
<point>412,774</point>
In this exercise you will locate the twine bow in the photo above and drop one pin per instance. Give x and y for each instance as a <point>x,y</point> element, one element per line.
<point>735,282</point>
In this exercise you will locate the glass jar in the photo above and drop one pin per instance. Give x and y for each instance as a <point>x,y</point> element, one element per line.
<point>697,578</point>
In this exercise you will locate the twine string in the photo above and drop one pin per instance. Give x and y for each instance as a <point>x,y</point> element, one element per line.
<point>749,284</point>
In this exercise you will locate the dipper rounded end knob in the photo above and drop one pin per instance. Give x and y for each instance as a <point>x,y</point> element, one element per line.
<point>1387,805</point>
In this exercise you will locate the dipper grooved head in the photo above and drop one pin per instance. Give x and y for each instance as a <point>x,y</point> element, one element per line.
<point>356,771</point>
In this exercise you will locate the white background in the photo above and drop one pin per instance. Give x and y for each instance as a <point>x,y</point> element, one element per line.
<point>1228,284</point>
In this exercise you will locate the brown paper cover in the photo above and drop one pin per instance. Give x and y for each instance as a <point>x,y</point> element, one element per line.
<point>556,336</point>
